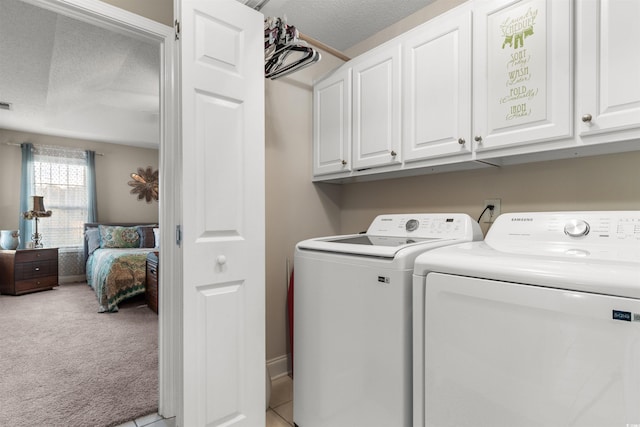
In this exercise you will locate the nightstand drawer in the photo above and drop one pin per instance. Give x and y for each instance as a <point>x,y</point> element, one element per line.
<point>29,270</point>
<point>33,255</point>
<point>25,286</point>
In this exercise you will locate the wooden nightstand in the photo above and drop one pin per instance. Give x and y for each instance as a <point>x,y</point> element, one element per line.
<point>151,286</point>
<point>28,270</point>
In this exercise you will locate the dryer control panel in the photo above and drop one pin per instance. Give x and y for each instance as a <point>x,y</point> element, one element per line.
<point>604,234</point>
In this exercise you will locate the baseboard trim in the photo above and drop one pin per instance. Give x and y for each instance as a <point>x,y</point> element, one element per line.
<point>279,366</point>
<point>72,279</point>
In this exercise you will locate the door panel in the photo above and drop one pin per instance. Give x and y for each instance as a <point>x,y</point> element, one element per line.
<point>437,89</point>
<point>222,97</point>
<point>609,68</point>
<point>522,72</point>
<point>332,124</point>
<point>376,108</point>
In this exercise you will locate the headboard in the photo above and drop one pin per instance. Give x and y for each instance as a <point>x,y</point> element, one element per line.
<point>88,225</point>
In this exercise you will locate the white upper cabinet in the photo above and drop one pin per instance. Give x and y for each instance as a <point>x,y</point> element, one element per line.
<point>376,107</point>
<point>490,82</point>
<point>332,123</point>
<point>437,89</point>
<point>522,74</point>
<point>609,67</point>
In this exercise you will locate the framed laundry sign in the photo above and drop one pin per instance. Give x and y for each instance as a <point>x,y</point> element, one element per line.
<point>517,65</point>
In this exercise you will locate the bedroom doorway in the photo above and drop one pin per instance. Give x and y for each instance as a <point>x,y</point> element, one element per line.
<point>108,17</point>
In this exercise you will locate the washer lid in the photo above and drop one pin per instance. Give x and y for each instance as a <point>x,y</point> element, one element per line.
<point>365,245</point>
<point>389,234</point>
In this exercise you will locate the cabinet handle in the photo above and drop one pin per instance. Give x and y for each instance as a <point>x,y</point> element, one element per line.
<point>461,141</point>
<point>587,118</point>
<point>37,268</point>
<point>344,163</point>
<point>221,260</point>
<point>393,154</point>
<point>477,138</point>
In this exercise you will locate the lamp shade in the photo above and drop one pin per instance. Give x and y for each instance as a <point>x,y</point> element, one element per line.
<point>38,204</point>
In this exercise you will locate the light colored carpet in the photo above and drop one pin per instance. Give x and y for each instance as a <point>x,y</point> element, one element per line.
<point>64,364</point>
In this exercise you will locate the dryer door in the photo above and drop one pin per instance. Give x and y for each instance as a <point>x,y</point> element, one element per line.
<point>504,354</point>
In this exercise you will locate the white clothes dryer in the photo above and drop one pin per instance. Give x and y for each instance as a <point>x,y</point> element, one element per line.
<point>538,325</point>
<point>352,326</point>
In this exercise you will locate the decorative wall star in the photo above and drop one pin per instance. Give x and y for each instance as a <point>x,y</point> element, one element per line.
<point>145,184</point>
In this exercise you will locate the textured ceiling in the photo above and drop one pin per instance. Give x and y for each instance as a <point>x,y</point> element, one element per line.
<point>342,23</point>
<point>68,78</point>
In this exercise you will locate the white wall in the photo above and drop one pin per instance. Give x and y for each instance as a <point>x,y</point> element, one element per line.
<point>157,10</point>
<point>296,209</point>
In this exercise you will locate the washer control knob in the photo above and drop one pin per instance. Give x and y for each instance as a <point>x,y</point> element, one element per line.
<point>412,225</point>
<point>576,228</point>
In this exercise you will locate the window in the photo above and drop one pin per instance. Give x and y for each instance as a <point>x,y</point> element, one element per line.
<point>60,175</point>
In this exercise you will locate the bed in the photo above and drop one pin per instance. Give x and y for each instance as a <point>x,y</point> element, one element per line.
<point>115,258</point>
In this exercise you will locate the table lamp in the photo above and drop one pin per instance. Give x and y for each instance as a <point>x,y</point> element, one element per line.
<point>36,212</point>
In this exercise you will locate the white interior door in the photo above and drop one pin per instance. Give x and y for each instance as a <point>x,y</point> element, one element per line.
<point>222,95</point>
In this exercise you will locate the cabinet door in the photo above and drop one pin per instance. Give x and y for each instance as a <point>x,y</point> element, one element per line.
<point>609,65</point>
<point>522,62</point>
<point>332,124</point>
<point>376,108</point>
<point>437,88</point>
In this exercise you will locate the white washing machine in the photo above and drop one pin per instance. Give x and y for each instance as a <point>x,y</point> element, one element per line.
<point>352,326</point>
<point>538,325</point>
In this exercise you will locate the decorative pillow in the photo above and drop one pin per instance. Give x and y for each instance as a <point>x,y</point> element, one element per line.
<point>118,237</point>
<point>93,239</point>
<point>156,235</point>
<point>147,238</point>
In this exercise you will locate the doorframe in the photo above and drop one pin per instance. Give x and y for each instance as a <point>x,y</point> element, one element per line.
<point>170,268</point>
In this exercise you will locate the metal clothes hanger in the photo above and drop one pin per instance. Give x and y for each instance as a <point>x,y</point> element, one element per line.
<point>284,52</point>
<point>290,59</point>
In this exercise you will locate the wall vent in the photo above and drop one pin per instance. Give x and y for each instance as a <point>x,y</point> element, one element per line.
<point>5,105</point>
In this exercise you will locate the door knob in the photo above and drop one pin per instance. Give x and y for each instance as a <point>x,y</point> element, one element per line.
<point>587,118</point>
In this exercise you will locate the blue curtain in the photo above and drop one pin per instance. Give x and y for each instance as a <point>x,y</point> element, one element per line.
<point>92,213</point>
<point>26,191</point>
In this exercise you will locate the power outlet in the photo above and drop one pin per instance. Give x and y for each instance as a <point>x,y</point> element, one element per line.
<point>490,216</point>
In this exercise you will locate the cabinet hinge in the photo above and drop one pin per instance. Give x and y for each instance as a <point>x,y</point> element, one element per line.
<point>178,235</point>
<point>177,29</point>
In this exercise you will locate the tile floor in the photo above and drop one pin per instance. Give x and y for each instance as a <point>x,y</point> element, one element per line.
<point>279,414</point>
<point>151,420</point>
